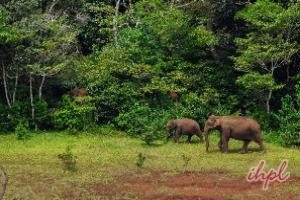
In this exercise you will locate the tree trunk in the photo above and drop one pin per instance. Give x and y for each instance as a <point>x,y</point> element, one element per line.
<point>32,101</point>
<point>268,101</point>
<point>15,87</point>
<point>212,47</point>
<point>270,91</point>
<point>115,22</point>
<point>41,86</point>
<point>5,86</point>
<point>10,101</point>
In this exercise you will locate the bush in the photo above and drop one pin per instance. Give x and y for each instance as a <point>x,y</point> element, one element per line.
<point>22,131</point>
<point>288,118</point>
<point>69,160</point>
<point>145,122</point>
<point>10,117</point>
<point>290,138</point>
<point>74,114</point>
<point>42,115</point>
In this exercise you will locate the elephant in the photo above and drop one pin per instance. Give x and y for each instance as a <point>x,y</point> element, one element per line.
<point>174,96</point>
<point>236,127</point>
<point>184,126</point>
<point>80,92</point>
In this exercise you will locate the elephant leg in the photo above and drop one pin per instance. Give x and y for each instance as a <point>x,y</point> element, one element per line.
<point>189,139</point>
<point>200,137</point>
<point>176,136</point>
<point>225,140</point>
<point>262,147</point>
<point>258,140</point>
<point>220,144</point>
<point>245,146</point>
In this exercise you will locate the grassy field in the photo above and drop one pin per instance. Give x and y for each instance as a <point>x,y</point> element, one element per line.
<point>36,172</point>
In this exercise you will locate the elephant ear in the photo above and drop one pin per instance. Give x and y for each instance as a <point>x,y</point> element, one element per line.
<point>171,124</point>
<point>216,123</point>
<point>174,123</point>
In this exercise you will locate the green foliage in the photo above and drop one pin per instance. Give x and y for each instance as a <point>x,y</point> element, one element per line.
<point>291,138</point>
<point>141,45</point>
<point>97,25</point>
<point>270,44</point>
<point>22,131</point>
<point>69,160</point>
<point>272,136</point>
<point>74,114</point>
<point>255,86</point>
<point>288,118</point>
<point>161,47</point>
<point>140,161</point>
<point>257,83</point>
<point>11,117</point>
<point>42,115</point>
<point>5,125</point>
<point>199,107</point>
<point>262,14</point>
<point>144,121</point>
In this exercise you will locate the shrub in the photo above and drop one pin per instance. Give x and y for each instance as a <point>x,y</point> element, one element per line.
<point>74,114</point>
<point>140,161</point>
<point>10,117</point>
<point>22,130</point>
<point>69,160</point>
<point>290,138</point>
<point>145,122</point>
<point>288,118</point>
<point>42,116</point>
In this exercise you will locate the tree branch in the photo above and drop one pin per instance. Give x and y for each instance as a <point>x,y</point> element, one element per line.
<point>5,177</point>
<point>5,85</point>
<point>52,5</point>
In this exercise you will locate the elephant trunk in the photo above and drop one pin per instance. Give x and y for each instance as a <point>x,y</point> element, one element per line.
<point>206,137</point>
<point>168,133</point>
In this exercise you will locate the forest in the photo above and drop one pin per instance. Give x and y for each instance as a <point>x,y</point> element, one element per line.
<point>143,62</point>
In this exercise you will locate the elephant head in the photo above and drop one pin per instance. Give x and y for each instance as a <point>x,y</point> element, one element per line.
<point>213,122</point>
<point>171,124</point>
<point>173,96</point>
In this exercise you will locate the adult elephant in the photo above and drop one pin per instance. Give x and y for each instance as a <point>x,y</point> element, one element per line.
<point>184,126</point>
<point>237,127</point>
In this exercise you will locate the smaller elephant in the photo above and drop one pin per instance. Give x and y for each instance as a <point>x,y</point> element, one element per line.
<point>80,92</point>
<point>174,96</point>
<point>184,126</point>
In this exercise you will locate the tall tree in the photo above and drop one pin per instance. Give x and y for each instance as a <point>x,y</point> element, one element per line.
<point>10,41</point>
<point>270,43</point>
<point>47,43</point>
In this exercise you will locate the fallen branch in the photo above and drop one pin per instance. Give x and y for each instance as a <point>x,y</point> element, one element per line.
<point>4,183</point>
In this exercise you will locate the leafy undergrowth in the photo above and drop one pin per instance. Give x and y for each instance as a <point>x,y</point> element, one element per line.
<point>36,172</point>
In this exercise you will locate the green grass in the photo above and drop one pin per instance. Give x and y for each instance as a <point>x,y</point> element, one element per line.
<point>35,171</point>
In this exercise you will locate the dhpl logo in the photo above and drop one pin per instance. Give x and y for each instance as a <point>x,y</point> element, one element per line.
<point>257,174</point>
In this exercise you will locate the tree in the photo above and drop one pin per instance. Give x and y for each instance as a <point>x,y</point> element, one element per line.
<point>10,42</point>
<point>46,41</point>
<point>270,43</point>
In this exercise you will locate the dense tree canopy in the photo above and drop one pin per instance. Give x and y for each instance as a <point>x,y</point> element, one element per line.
<point>220,57</point>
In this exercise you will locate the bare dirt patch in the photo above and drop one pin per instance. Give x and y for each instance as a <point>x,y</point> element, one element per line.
<point>193,185</point>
